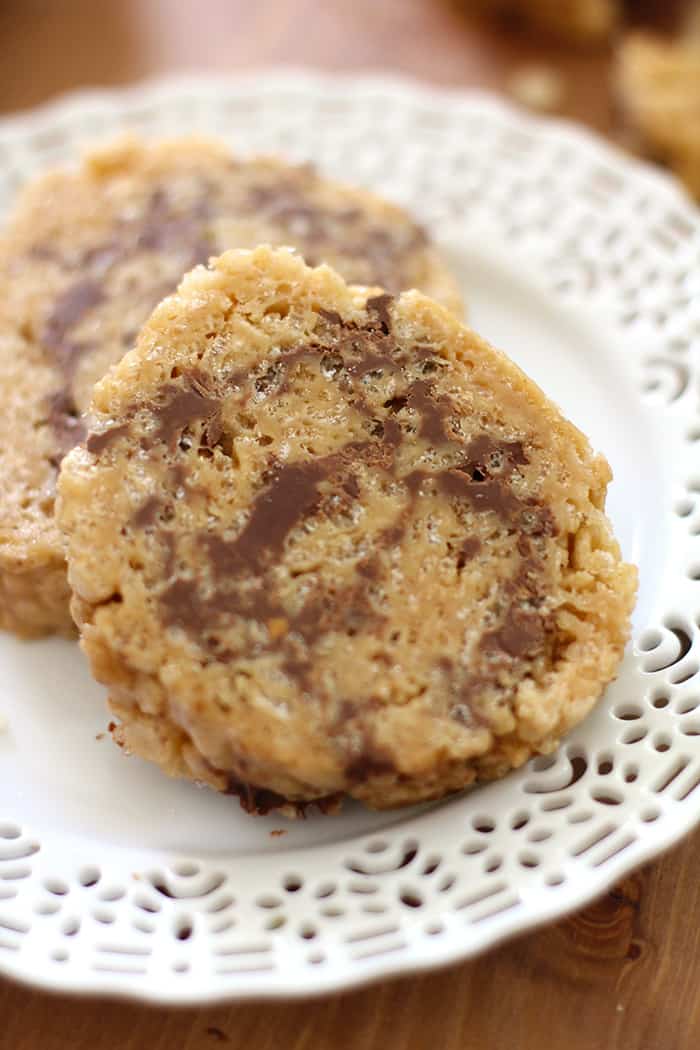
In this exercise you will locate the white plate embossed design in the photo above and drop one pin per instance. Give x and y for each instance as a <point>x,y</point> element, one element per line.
<point>585,266</point>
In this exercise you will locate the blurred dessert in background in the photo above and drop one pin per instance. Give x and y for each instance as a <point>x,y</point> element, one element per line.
<point>578,21</point>
<point>659,89</point>
<point>654,83</point>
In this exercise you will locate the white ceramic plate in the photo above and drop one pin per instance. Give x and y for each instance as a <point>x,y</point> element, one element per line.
<point>585,266</point>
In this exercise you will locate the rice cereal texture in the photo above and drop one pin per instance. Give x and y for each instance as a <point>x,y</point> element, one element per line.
<point>325,541</point>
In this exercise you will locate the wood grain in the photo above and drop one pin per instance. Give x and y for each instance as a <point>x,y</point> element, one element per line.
<point>620,975</point>
<point>49,48</point>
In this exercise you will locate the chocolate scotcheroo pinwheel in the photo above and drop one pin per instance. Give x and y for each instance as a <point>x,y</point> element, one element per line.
<point>325,541</point>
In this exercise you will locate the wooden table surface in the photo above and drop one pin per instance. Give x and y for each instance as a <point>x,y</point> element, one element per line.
<point>624,974</point>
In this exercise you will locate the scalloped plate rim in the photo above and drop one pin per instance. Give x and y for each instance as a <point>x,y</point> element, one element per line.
<point>657,839</point>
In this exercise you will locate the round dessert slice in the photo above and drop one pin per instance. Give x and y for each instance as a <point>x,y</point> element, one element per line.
<point>325,541</point>
<point>88,255</point>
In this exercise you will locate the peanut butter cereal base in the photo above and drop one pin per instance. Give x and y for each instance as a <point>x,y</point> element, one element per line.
<point>326,541</point>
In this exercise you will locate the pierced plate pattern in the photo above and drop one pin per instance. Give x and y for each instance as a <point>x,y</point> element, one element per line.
<point>555,235</point>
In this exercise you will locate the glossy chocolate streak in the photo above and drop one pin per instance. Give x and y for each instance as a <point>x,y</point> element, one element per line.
<point>527,579</point>
<point>468,550</point>
<point>332,316</point>
<point>524,629</point>
<point>166,230</point>
<point>482,495</point>
<point>318,229</point>
<point>69,309</point>
<point>379,305</point>
<point>65,422</point>
<point>351,486</point>
<point>363,350</point>
<point>345,609</point>
<point>358,352</point>
<point>522,633</point>
<point>147,514</point>
<point>431,410</point>
<point>370,361</point>
<point>537,520</point>
<point>278,377</point>
<point>289,497</point>
<point>287,500</point>
<point>493,455</point>
<point>98,442</point>
<point>182,407</point>
<point>182,604</point>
